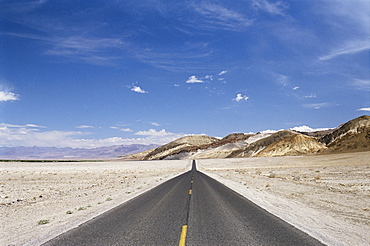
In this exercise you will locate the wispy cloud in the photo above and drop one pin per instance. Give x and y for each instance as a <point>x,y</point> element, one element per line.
<point>121,129</point>
<point>361,84</point>
<point>282,79</point>
<point>218,17</point>
<point>186,57</point>
<point>240,97</point>
<point>277,8</point>
<point>154,123</point>
<point>222,72</point>
<point>349,48</point>
<point>193,79</point>
<point>100,51</point>
<point>84,127</point>
<point>310,96</point>
<point>126,130</point>
<point>317,105</point>
<point>34,126</point>
<point>8,96</point>
<point>363,109</point>
<point>20,7</point>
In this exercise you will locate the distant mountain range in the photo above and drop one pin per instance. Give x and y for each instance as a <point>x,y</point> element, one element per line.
<point>52,153</point>
<point>350,137</point>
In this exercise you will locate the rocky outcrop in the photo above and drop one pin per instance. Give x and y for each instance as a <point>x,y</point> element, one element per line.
<point>183,144</point>
<point>351,136</point>
<point>280,144</point>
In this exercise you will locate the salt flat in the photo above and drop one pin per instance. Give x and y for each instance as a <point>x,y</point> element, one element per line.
<point>65,194</point>
<point>327,196</point>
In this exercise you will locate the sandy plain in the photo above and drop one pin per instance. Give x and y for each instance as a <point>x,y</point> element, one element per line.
<point>327,196</point>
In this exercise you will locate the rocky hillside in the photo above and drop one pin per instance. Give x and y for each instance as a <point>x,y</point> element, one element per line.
<point>351,136</point>
<point>280,144</point>
<point>178,146</point>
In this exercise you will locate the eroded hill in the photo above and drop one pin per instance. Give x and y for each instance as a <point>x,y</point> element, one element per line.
<point>349,137</point>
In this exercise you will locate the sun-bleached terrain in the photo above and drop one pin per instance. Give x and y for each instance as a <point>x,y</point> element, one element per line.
<point>41,200</point>
<point>327,196</point>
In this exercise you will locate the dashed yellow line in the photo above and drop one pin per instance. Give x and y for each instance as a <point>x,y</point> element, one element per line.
<point>183,235</point>
<point>190,192</point>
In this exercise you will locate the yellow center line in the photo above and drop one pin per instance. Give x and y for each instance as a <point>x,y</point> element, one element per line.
<point>190,191</point>
<point>183,235</point>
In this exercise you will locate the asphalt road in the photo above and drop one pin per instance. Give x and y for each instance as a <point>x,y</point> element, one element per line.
<point>191,209</point>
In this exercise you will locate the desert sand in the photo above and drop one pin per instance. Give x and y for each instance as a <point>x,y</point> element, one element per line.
<point>327,196</point>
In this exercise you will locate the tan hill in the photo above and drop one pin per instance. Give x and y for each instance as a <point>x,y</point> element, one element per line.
<point>280,144</point>
<point>212,150</point>
<point>349,137</point>
<point>178,146</point>
<point>228,145</point>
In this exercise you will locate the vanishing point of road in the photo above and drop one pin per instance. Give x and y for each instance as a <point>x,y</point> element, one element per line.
<point>190,209</point>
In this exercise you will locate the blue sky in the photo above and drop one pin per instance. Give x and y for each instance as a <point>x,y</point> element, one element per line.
<point>98,73</point>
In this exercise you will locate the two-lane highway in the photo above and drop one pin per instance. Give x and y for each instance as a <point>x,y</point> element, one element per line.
<point>191,209</point>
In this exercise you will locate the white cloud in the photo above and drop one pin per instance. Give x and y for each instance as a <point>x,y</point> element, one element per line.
<point>35,126</point>
<point>160,137</point>
<point>296,88</point>
<point>240,97</point>
<point>222,72</point>
<point>153,132</point>
<point>122,129</point>
<point>348,49</point>
<point>307,129</point>
<point>138,89</point>
<point>8,96</point>
<point>193,79</point>
<point>126,130</point>
<point>84,126</point>
<point>154,123</point>
<point>363,109</point>
<point>269,131</point>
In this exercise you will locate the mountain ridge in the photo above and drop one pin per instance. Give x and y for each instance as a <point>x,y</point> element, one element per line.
<point>115,151</point>
<point>353,135</point>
